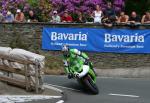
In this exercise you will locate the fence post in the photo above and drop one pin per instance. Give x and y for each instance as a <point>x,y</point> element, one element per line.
<point>31,79</point>
<point>36,76</point>
<point>27,77</point>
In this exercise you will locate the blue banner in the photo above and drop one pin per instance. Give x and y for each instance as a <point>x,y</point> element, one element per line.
<point>98,40</point>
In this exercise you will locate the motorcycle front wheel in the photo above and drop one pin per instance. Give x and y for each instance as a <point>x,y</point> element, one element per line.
<point>87,80</point>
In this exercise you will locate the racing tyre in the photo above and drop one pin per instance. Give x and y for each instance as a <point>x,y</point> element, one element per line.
<point>91,85</point>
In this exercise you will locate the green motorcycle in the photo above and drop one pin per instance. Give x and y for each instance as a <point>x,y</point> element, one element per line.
<point>87,79</point>
<point>77,66</point>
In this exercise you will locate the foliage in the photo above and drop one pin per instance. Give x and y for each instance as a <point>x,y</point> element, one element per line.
<point>6,5</point>
<point>33,3</point>
<point>42,7</point>
<point>140,6</point>
<point>84,5</point>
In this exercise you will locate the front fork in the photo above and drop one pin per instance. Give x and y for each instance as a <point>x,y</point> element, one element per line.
<point>92,74</point>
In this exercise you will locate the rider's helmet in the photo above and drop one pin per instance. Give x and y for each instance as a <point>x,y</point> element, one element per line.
<point>65,50</point>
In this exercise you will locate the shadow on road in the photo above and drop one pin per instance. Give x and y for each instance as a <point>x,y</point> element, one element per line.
<point>77,87</point>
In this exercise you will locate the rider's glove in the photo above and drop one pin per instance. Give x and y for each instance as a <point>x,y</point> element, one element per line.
<point>76,74</point>
<point>70,75</point>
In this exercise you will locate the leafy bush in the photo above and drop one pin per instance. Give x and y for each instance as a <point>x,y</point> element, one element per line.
<point>42,7</point>
<point>84,5</point>
<point>140,6</point>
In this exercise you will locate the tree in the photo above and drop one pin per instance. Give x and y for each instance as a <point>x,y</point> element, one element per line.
<point>140,6</point>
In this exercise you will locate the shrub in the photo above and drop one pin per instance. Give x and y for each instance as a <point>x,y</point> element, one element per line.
<point>43,7</point>
<point>84,5</point>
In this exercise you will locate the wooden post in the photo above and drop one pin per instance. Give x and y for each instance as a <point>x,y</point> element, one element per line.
<point>26,77</point>
<point>6,73</point>
<point>30,81</point>
<point>36,76</point>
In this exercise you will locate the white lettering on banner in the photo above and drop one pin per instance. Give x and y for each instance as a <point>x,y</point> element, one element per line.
<point>68,36</point>
<point>123,46</point>
<point>70,44</point>
<point>123,38</point>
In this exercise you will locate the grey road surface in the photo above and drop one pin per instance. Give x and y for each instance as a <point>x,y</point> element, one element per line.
<point>112,90</point>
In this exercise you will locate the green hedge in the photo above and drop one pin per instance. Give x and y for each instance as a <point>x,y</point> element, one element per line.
<point>140,6</point>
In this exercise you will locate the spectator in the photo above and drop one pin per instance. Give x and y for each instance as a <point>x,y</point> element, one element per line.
<point>1,17</point>
<point>32,17</point>
<point>106,21</point>
<point>55,17</point>
<point>19,17</point>
<point>81,18</point>
<point>146,18</point>
<point>134,19</point>
<point>89,18</point>
<point>97,14</point>
<point>110,12</point>
<point>9,17</point>
<point>123,18</point>
<point>66,18</point>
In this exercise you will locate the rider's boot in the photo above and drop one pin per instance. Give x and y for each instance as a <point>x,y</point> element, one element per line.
<point>94,71</point>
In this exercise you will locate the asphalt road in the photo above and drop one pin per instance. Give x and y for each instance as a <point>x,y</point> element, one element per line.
<point>112,90</point>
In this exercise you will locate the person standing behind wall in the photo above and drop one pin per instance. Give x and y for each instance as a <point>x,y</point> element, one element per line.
<point>1,17</point>
<point>66,18</point>
<point>97,14</point>
<point>110,12</point>
<point>19,17</point>
<point>80,18</point>
<point>32,17</point>
<point>9,17</point>
<point>146,18</point>
<point>89,18</point>
<point>123,18</point>
<point>134,18</point>
<point>55,17</point>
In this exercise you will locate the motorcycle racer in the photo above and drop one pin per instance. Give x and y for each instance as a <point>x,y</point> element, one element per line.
<point>77,61</point>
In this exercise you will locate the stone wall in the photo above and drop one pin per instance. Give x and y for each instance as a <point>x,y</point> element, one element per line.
<point>25,36</point>
<point>28,36</point>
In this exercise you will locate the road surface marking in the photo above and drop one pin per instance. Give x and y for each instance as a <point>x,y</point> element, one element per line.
<point>51,87</point>
<point>61,101</point>
<point>124,95</point>
<point>55,75</point>
<point>24,98</point>
<point>65,87</point>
